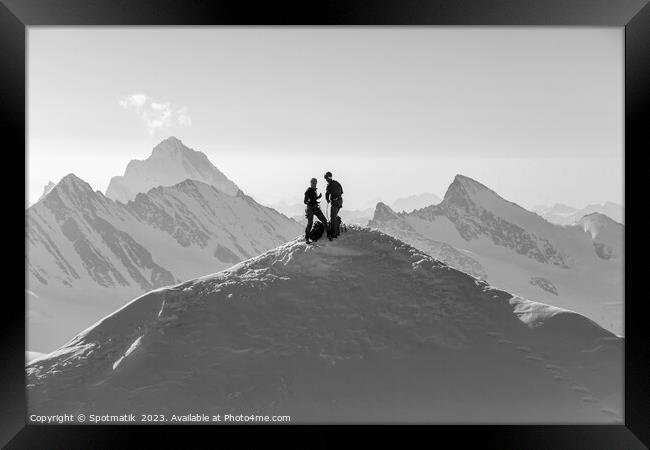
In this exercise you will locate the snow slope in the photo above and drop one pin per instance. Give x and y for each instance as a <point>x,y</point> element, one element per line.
<point>391,223</point>
<point>31,356</point>
<point>518,250</point>
<point>170,163</point>
<point>361,329</point>
<point>88,255</point>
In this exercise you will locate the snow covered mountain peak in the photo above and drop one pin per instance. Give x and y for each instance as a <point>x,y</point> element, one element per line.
<point>495,239</point>
<point>384,212</point>
<point>171,144</point>
<point>173,148</point>
<point>469,184</point>
<point>71,187</point>
<point>466,193</point>
<point>46,189</point>
<point>469,201</point>
<point>88,254</point>
<point>598,218</point>
<point>597,224</point>
<point>606,233</point>
<point>263,333</point>
<point>170,162</point>
<point>70,192</point>
<point>72,180</point>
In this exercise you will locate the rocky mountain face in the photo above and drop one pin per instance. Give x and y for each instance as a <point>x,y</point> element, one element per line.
<point>392,223</point>
<point>363,328</point>
<point>88,254</point>
<point>72,212</point>
<point>476,212</point>
<point>607,235</point>
<point>518,250</point>
<point>47,188</point>
<point>170,163</point>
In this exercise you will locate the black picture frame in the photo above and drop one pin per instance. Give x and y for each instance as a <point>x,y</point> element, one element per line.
<point>634,15</point>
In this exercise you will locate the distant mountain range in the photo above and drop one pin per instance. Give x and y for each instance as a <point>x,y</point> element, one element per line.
<point>408,204</point>
<point>362,216</point>
<point>363,328</point>
<point>88,254</point>
<point>178,293</point>
<point>578,267</point>
<point>568,215</point>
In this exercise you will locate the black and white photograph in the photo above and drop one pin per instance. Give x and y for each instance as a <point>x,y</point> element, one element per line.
<point>325,225</point>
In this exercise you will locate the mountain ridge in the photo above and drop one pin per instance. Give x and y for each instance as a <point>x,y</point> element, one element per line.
<point>263,333</point>
<point>518,250</point>
<point>86,249</point>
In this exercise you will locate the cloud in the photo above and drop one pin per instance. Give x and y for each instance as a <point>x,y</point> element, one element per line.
<point>156,115</point>
<point>160,106</point>
<point>184,117</point>
<point>133,101</point>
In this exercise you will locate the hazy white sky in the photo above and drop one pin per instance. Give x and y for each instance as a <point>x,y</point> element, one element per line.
<point>534,113</point>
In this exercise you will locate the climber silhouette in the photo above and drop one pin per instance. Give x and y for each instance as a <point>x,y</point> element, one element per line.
<point>312,209</point>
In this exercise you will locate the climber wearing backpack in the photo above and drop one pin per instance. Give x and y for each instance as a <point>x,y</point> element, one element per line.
<point>312,208</point>
<point>334,195</point>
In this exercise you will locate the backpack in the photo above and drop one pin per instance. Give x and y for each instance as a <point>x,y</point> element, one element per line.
<point>342,227</point>
<point>335,188</point>
<point>316,231</point>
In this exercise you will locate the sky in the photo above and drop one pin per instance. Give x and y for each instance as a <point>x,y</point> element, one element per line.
<point>534,113</point>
